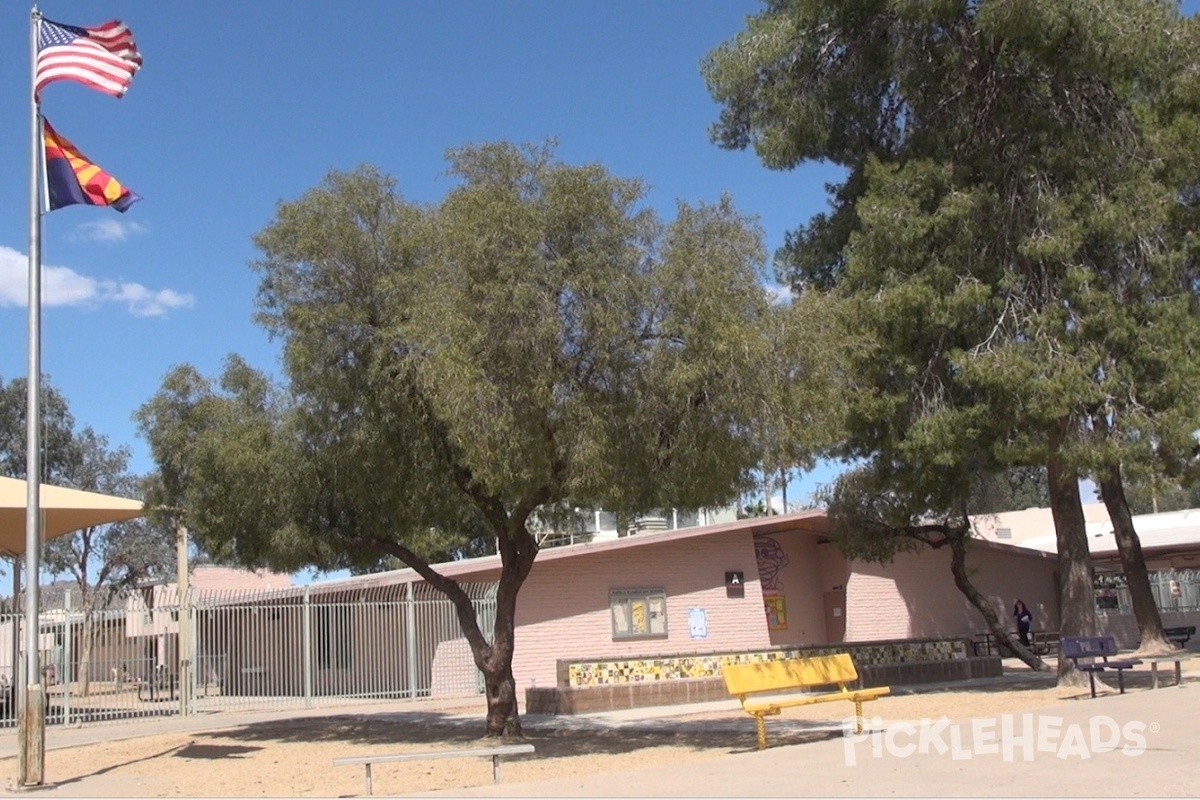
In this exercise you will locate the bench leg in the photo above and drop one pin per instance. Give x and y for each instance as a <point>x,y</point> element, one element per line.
<point>1092,681</point>
<point>1121,680</point>
<point>495,768</point>
<point>1178,674</point>
<point>1153,674</point>
<point>760,724</point>
<point>370,788</point>
<point>858,715</point>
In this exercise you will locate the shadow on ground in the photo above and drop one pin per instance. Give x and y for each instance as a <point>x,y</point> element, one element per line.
<point>213,751</point>
<point>114,767</point>
<point>436,731</point>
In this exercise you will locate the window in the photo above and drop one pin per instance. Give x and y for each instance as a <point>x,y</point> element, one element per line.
<point>638,613</point>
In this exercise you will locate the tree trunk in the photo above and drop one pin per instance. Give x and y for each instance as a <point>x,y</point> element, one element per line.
<point>1133,564</point>
<point>85,656</point>
<point>503,719</point>
<point>493,659</point>
<point>1077,595</point>
<point>518,550</point>
<point>495,662</point>
<point>958,565</point>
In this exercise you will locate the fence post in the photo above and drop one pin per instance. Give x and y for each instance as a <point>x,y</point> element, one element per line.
<point>410,638</point>
<point>64,680</point>
<point>306,647</point>
<point>193,612</point>
<point>14,618</point>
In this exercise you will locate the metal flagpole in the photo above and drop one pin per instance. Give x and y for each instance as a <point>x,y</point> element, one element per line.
<point>32,739</point>
<point>184,647</point>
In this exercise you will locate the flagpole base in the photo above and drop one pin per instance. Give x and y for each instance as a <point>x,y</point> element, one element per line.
<point>31,740</point>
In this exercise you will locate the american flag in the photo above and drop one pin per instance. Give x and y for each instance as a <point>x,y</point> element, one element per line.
<point>104,57</point>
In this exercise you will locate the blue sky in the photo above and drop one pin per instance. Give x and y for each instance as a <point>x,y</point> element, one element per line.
<point>242,105</point>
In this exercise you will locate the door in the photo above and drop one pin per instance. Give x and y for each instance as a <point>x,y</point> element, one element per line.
<point>835,616</point>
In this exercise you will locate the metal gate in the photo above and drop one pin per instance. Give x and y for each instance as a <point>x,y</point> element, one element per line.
<point>298,647</point>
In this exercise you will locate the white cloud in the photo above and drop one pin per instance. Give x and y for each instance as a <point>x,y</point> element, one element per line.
<point>143,302</point>
<point>108,230</point>
<point>779,295</point>
<point>14,278</point>
<point>62,286</point>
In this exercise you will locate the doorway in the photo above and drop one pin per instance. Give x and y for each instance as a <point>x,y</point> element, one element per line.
<point>835,616</point>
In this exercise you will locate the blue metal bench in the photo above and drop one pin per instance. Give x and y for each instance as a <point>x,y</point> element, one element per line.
<point>1091,648</point>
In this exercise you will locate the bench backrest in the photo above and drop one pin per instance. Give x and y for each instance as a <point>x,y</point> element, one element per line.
<point>1085,646</point>
<point>1182,630</point>
<point>794,673</point>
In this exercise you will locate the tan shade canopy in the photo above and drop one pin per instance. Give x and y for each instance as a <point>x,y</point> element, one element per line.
<point>63,511</point>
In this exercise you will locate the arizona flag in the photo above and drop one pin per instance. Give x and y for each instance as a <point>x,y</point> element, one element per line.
<point>71,179</point>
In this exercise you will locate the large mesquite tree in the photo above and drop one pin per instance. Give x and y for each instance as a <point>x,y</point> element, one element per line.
<point>535,339</point>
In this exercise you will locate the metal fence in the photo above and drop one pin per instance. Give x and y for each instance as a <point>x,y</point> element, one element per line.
<point>1174,590</point>
<point>298,647</point>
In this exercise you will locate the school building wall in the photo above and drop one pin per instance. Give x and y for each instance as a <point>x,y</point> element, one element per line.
<point>915,595</point>
<point>563,609</point>
<point>793,564</point>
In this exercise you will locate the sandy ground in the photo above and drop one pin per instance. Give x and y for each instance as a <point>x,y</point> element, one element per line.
<point>292,757</point>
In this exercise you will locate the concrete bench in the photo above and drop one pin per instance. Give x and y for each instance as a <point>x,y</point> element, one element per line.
<point>495,753</point>
<point>795,678</point>
<point>1178,660</point>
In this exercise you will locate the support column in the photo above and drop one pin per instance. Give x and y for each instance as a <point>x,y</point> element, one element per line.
<point>410,637</point>
<point>306,647</point>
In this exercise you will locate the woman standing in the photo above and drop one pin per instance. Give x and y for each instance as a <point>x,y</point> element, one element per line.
<point>1024,622</point>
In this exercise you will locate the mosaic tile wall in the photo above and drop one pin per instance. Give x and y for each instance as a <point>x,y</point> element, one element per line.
<point>664,668</point>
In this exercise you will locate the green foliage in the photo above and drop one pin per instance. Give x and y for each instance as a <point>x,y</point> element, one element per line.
<point>535,339</point>
<point>1012,245</point>
<point>106,559</point>
<point>874,516</point>
<point>57,432</point>
<point>1013,490</point>
<point>1158,496</point>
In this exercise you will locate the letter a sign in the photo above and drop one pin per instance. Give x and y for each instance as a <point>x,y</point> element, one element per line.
<point>735,584</point>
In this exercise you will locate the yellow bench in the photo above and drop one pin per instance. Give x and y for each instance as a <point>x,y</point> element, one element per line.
<point>784,679</point>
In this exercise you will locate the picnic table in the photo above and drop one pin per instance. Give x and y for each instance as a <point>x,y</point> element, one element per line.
<point>1042,643</point>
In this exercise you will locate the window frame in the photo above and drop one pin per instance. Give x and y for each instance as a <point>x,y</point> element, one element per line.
<point>621,613</point>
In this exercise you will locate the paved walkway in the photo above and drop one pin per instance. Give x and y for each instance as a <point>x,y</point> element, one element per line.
<point>1063,750</point>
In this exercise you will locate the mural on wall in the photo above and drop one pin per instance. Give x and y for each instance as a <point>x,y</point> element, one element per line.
<point>771,558</point>
<point>776,608</point>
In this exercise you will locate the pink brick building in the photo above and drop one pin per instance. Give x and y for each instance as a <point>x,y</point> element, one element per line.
<point>669,593</point>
